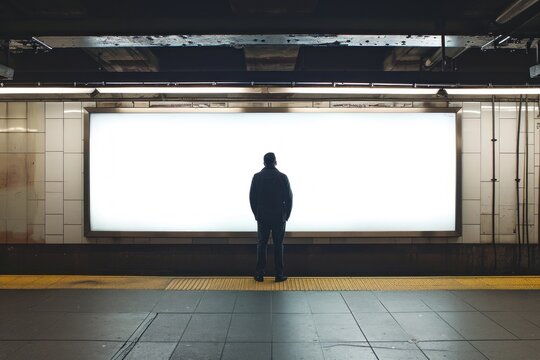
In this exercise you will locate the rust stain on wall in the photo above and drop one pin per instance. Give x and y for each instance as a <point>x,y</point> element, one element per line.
<point>14,186</point>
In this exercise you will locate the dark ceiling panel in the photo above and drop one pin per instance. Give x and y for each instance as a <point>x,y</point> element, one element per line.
<point>24,19</point>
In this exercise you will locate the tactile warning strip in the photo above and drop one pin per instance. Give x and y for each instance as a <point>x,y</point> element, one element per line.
<point>356,283</point>
<point>248,284</point>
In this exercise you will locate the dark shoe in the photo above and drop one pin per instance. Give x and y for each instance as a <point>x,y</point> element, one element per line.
<point>281,278</point>
<point>259,278</point>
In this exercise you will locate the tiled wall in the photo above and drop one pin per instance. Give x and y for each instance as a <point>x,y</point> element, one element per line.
<point>41,171</point>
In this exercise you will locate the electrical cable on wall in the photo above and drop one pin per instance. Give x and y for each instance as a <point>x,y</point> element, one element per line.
<point>538,217</point>
<point>493,181</point>
<point>518,220</point>
<point>537,225</point>
<point>526,184</point>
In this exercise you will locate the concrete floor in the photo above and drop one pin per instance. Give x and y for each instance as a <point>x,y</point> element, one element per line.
<point>155,324</point>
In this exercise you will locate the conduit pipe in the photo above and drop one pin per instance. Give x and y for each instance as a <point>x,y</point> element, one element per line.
<point>493,181</point>
<point>526,184</point>
<point>518,220</point>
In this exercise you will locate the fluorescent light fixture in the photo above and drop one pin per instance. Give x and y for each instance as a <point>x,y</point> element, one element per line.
<point>269,90</point>
<point>354,90</point>
<point>494,91</point>
<point>44,90</point>
<point>349,171</point>
<point>180,90</point>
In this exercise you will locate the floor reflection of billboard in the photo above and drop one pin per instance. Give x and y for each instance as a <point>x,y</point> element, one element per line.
<point>349,171</point>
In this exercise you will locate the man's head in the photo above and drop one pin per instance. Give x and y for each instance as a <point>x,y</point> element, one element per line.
<point>270,159</point>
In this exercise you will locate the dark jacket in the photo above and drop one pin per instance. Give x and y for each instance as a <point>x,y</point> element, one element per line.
<point>270,196</point>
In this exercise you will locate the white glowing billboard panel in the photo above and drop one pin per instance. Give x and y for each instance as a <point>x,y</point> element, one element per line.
<point>349,171</point>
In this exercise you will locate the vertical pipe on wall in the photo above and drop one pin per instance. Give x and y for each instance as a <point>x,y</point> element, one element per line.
<point>526,183</point>
<point>518,220</point>
<point>493,181</point>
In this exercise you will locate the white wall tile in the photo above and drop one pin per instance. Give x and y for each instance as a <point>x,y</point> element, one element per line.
<point>72,234</point>
<point>72,110</point>
<point>16,203</point>
<point>536,140</point>
<point>36,212</point>
<point>507,239</point>
<point>35,142</point>
<point>16,142</point>
<point>532,216</point>
<point>486,143</point>
<point>54,165</point>
<point>54,239</point>
<point>16,110</point>
<point>36,233</point>
<point>488,239</point>
<point>485,224</point>
<point>54,110</point>
<point>507,179</point>
<point>531,158</point>
<point>471,110</point>
<point>54,186</point>
<point>16,125</point>
<point>3,229</point>
<point>54,224</point>
<point>471,176</point>
<point>486,195</point>
<point>66,135</point>
<point>3,110</point>
<point>532,117</point>
<point>73,177</point>
<point>73,135</point>
<point>508,136</point>
<point>3,204</point>
<point>507,220</point>
<point>3,142</point>
<point>36,190</point>
<point>17,230</point>
<point>54,203</point>
<point>54,138</point>
<point>3,125</point>
<point>471,212</point>
<point>471,234</point>
<point>507,196</point>
<point>36,117</point>
<point>73,212</point>
<point>471,135</point>
<point>508,110</point>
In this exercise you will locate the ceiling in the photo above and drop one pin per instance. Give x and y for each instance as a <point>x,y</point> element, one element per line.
<point>280,41</point>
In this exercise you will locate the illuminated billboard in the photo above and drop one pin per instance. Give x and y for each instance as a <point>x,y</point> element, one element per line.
<point>174,172</point>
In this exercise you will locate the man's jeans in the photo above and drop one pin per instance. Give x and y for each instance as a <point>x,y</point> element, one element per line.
<point>263,233</point>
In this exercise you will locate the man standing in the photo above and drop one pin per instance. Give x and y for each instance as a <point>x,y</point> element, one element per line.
<point>270,197</point>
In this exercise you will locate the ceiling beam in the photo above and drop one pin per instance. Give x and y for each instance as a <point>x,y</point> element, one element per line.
<point>456,41</point>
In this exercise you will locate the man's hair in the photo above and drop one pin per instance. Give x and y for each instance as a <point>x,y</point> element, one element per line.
<point>269,159</point>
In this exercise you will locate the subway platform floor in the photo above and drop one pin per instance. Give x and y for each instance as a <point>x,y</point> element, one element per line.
<point>144,323</point>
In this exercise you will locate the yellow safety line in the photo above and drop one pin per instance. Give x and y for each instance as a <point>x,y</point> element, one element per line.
<point>248,284</point>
